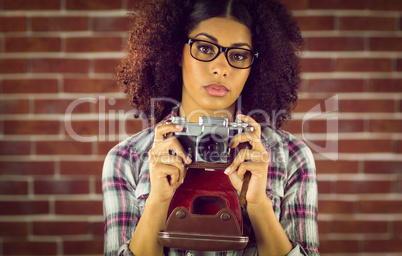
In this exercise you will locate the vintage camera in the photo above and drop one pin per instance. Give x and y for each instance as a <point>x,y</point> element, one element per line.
<point>208,140</point>
<point>205,213</point>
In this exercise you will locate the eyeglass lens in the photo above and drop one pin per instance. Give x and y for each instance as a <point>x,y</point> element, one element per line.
<point>204,51</point>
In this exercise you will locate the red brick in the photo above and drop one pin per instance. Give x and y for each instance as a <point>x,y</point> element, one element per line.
<point>59,228</point>
<point>26,168</point>
<point>10,229</point>
<point>30,86</point>
<point>59,107</point>
<point>305,105</point>
<point>59,23</point>
<point>324,227</point>
<point>361,106</point>
<point>336,207</point>
<point>114,106</point>
<point>397,229</point>
<point>90,85</point>
<point>339,246</point>
<point>328,167</point>
<point>30,5</point>
<point>294,126</point>
<point>94,44</point>
<point>367,23</point>
<point>365,146</point>
<point>386,126</point>
<point>335,44</point>
<point>60,66</point>
<point>58,187</point>
<point>336,85</point>
<point>10,107</point>
<point>317,65</point>
<point>32,44</point>
<point>390,5</point>
<point>399,146</point>
<point>13,187</point>
<point>103,147</point>
<point>325,187</point>
<point>383,206</point>
<point>399,62</point>
<point>111,24</point>
<point>13,66</point>
<point>338,4</point>
<point>83,128</point>
<point>364,65</point>
<point>24,207</point>
<point>12,24</point>
<point>93,5</point>
<point>98,188</point>
<point>31,127</point>
<point>385,85</point>
<point>81,168</point>
<point>386,44</point>
<point>94,247</point>
<point>29,248</point>
<point>382,166</point>
<point>383,246</point>
<point>79,207</point>
<point>318,23</point>
<point>355,226</point>
<point>364,187</point>
<point>105,65</point>
<point>351,125</point>
<point>63,148</point>
<point>321,126</point>
<point>15,147</point>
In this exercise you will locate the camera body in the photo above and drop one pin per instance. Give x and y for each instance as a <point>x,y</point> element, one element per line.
<point>208,140</point>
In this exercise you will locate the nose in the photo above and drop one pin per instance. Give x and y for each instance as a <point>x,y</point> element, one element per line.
<point>220,65</point>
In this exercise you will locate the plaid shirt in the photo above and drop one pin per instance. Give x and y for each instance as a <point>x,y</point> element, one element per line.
<point>291,186</point>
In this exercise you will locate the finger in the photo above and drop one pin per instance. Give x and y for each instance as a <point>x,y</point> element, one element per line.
<point>246,155</point>
<point>253,167</point>
<point>168,172</point>
<point>252,133</point>
<point>164,129</point>
<point>177,162</point>
<point>173,145</point>
<point>250,121</point>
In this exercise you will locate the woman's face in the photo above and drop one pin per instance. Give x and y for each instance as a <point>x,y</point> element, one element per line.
<point>215,85</point>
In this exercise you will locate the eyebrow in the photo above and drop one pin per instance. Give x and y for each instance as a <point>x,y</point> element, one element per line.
<point>212,38</point>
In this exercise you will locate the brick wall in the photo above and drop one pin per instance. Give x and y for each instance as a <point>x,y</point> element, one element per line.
<point>56,82</point>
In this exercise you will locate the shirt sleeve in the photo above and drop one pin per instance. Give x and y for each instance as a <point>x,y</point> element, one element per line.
<point>299,208</point>
<point>121,213</point>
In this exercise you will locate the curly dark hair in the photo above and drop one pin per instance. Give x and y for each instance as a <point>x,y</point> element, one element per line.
<point>160,30</point>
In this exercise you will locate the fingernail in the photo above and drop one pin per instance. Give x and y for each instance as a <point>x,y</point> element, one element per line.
<point>188,160</point>
<point>227,171</point>
<point>182,181</point>
<point>230,144</point>
<point>178,127</point>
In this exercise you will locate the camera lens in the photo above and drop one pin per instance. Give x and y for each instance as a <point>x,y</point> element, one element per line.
<point>212,148</point>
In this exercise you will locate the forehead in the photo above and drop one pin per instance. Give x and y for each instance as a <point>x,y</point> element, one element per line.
<point>227,31</point>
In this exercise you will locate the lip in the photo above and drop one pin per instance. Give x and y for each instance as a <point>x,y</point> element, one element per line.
<point>216,90</point>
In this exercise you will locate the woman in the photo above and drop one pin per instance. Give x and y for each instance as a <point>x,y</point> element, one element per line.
<point>215,58</point>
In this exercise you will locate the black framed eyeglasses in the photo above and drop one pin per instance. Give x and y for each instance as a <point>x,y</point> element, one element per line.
<point>206,51</point>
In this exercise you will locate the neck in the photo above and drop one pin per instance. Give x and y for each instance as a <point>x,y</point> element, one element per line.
<point>193,115</point>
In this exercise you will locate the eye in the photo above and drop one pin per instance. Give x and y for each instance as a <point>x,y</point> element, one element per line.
<point>205,49</point>
<point>239,56</point>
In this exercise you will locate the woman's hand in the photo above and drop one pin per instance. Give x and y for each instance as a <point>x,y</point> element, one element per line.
<point>167,171</point>
<point>254,160</point>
